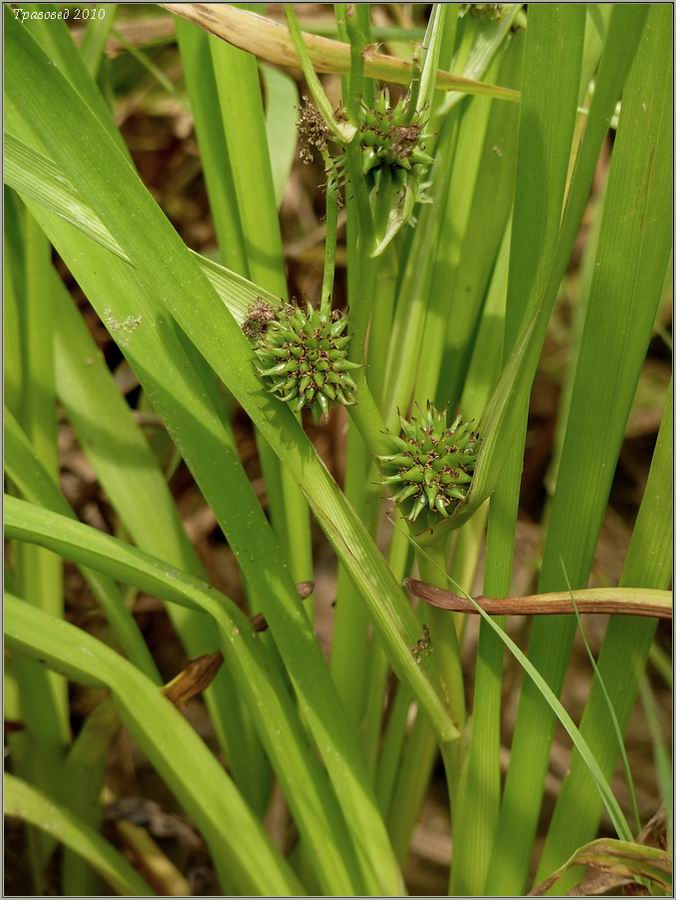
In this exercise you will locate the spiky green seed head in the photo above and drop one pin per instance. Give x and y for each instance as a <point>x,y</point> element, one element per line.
<point>388,139</point>
<point>302,359</point>
<point>431,465</point>
<point>394,164</point>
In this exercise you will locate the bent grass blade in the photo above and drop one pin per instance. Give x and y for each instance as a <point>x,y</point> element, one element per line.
<point>179,755</point>
<point>308,794</point>
<point>272,42</point>
<point>24,801</point>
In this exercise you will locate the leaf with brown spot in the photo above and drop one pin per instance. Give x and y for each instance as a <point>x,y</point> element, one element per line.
<point>625,861</point>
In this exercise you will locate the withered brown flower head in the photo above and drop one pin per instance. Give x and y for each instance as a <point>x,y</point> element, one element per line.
<point>259,316</point>
<point>312,131</point>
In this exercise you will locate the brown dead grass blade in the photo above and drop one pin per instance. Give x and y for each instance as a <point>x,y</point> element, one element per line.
<point>623,601</point>
<point>271,41</point>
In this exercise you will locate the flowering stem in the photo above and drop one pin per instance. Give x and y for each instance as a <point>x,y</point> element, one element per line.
<point>432,567</point>
<point>444,643</point>
<point>414,89</point>
<point>332,188</point>
<point>340,12</point>
<point>431,47</point>
<point>381,324</point>
<point>364,268</point>
<point>342,131</point>
<point>358,29</point>
<point>366,416</point>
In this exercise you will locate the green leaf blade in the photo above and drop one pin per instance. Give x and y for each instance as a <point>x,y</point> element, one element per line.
<point>631,260</point>
<point>25,802</point>
<point>179,755</point>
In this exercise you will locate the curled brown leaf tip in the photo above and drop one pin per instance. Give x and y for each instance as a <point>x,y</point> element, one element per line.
<point>194,679</point>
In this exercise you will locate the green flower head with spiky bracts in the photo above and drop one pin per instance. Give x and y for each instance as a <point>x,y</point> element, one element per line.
<point>302,357</point>
<point>394,163</point>
<point>389,136</point>
<point>433,464</point>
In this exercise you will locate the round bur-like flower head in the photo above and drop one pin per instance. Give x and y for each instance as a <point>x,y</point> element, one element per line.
<point>432,465</point>
<point>388,138</point>
<point>302,359</point>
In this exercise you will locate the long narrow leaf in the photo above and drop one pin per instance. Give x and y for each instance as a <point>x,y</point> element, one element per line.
<point>500,416</point>
<point>551,72</point>
<point>84,375</point>
<point>96,34</point>
<point>549,697</point>
<point>198,72</point>
<point>271,41</point>
<point>192,302</point>
<point>22,800</point>
<point>631,261</point>
<point>42,696</point>
<point>35,176</point>
<point>305,785</point>
<point>179,755</point>
<point>238,87</point>
<point>281,113</point>
<point>29,475</point>
<point>166,373</point>
<point>648,562</point>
